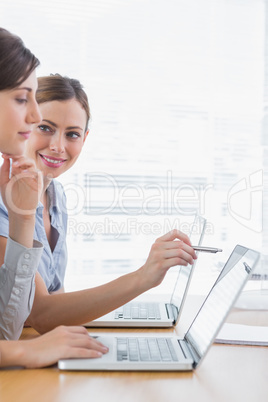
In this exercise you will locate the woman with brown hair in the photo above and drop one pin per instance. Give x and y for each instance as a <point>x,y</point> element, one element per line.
<point>21,188</point>
<point>55,145</point>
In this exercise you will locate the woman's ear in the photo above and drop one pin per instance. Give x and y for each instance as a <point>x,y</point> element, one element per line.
<point>85,136</point>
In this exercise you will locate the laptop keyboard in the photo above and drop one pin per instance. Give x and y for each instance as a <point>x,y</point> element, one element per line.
<point>146,349</point>
<point>143,311</point>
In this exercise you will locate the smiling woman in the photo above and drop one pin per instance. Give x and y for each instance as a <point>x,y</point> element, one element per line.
<point>57,142</point>
<point>55,145</point>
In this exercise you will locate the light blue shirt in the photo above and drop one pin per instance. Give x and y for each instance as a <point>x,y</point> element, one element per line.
<point>52,265</point>
<point>17,287</point>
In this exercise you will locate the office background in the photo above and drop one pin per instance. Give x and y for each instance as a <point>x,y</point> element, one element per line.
<point>178,91</point>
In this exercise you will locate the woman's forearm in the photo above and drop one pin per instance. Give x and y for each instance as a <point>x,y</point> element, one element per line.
<point>76,308</point>
<point>17,276</point>
<point>11,353</point>
<point>86,305</point>
<point>21,229</point>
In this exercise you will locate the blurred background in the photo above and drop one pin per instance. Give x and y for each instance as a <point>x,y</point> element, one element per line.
<point>178,91</point>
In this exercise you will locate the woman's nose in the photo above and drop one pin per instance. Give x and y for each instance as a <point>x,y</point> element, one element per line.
<point>34,114</point>
<point>57,145</point>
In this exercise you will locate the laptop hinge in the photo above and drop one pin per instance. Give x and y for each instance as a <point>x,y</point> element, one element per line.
<point>189,348</point>
<point>172,312</point>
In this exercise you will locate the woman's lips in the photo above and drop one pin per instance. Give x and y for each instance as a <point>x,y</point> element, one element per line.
<point>50,161</point>
<point>25,134</point>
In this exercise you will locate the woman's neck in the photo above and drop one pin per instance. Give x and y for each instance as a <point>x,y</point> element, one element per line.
<point>46,184</point>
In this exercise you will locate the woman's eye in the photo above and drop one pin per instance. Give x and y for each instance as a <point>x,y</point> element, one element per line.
<point>21,100</point>
<point>44,128</point>
<point>73,134</point>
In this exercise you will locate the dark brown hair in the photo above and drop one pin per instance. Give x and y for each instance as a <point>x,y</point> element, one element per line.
<point>55,87</point>
<point>16,61</point>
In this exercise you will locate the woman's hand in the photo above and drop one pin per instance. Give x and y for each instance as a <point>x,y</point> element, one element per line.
<point>45,350</point>
<point>21,188</point>
<point>174,248</point>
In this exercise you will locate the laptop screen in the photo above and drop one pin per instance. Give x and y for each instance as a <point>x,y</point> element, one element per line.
<point>220,300</point>
<point>182,282</point>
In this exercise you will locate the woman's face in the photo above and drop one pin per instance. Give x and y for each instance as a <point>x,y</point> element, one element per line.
<point>18,112</point>
<point>58,139</point>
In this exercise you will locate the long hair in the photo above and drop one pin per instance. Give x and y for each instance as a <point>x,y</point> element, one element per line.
<point>16,61</point>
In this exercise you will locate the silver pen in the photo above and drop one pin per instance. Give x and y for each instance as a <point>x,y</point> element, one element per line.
<point>207,249</point>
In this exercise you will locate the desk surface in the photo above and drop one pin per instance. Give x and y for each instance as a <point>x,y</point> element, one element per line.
<point>228,373</point>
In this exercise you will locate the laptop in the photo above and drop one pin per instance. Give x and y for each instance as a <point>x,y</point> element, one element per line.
<point>141,313</point>
<point>154,352</point>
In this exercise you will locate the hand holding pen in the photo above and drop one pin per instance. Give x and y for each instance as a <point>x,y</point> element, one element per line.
<point>207,249</point>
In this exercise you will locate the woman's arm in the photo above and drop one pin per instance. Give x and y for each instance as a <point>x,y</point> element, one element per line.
<point>19,254</point>
<point>51,310</point>
<point>17,285</point>
<point>61,343</point>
